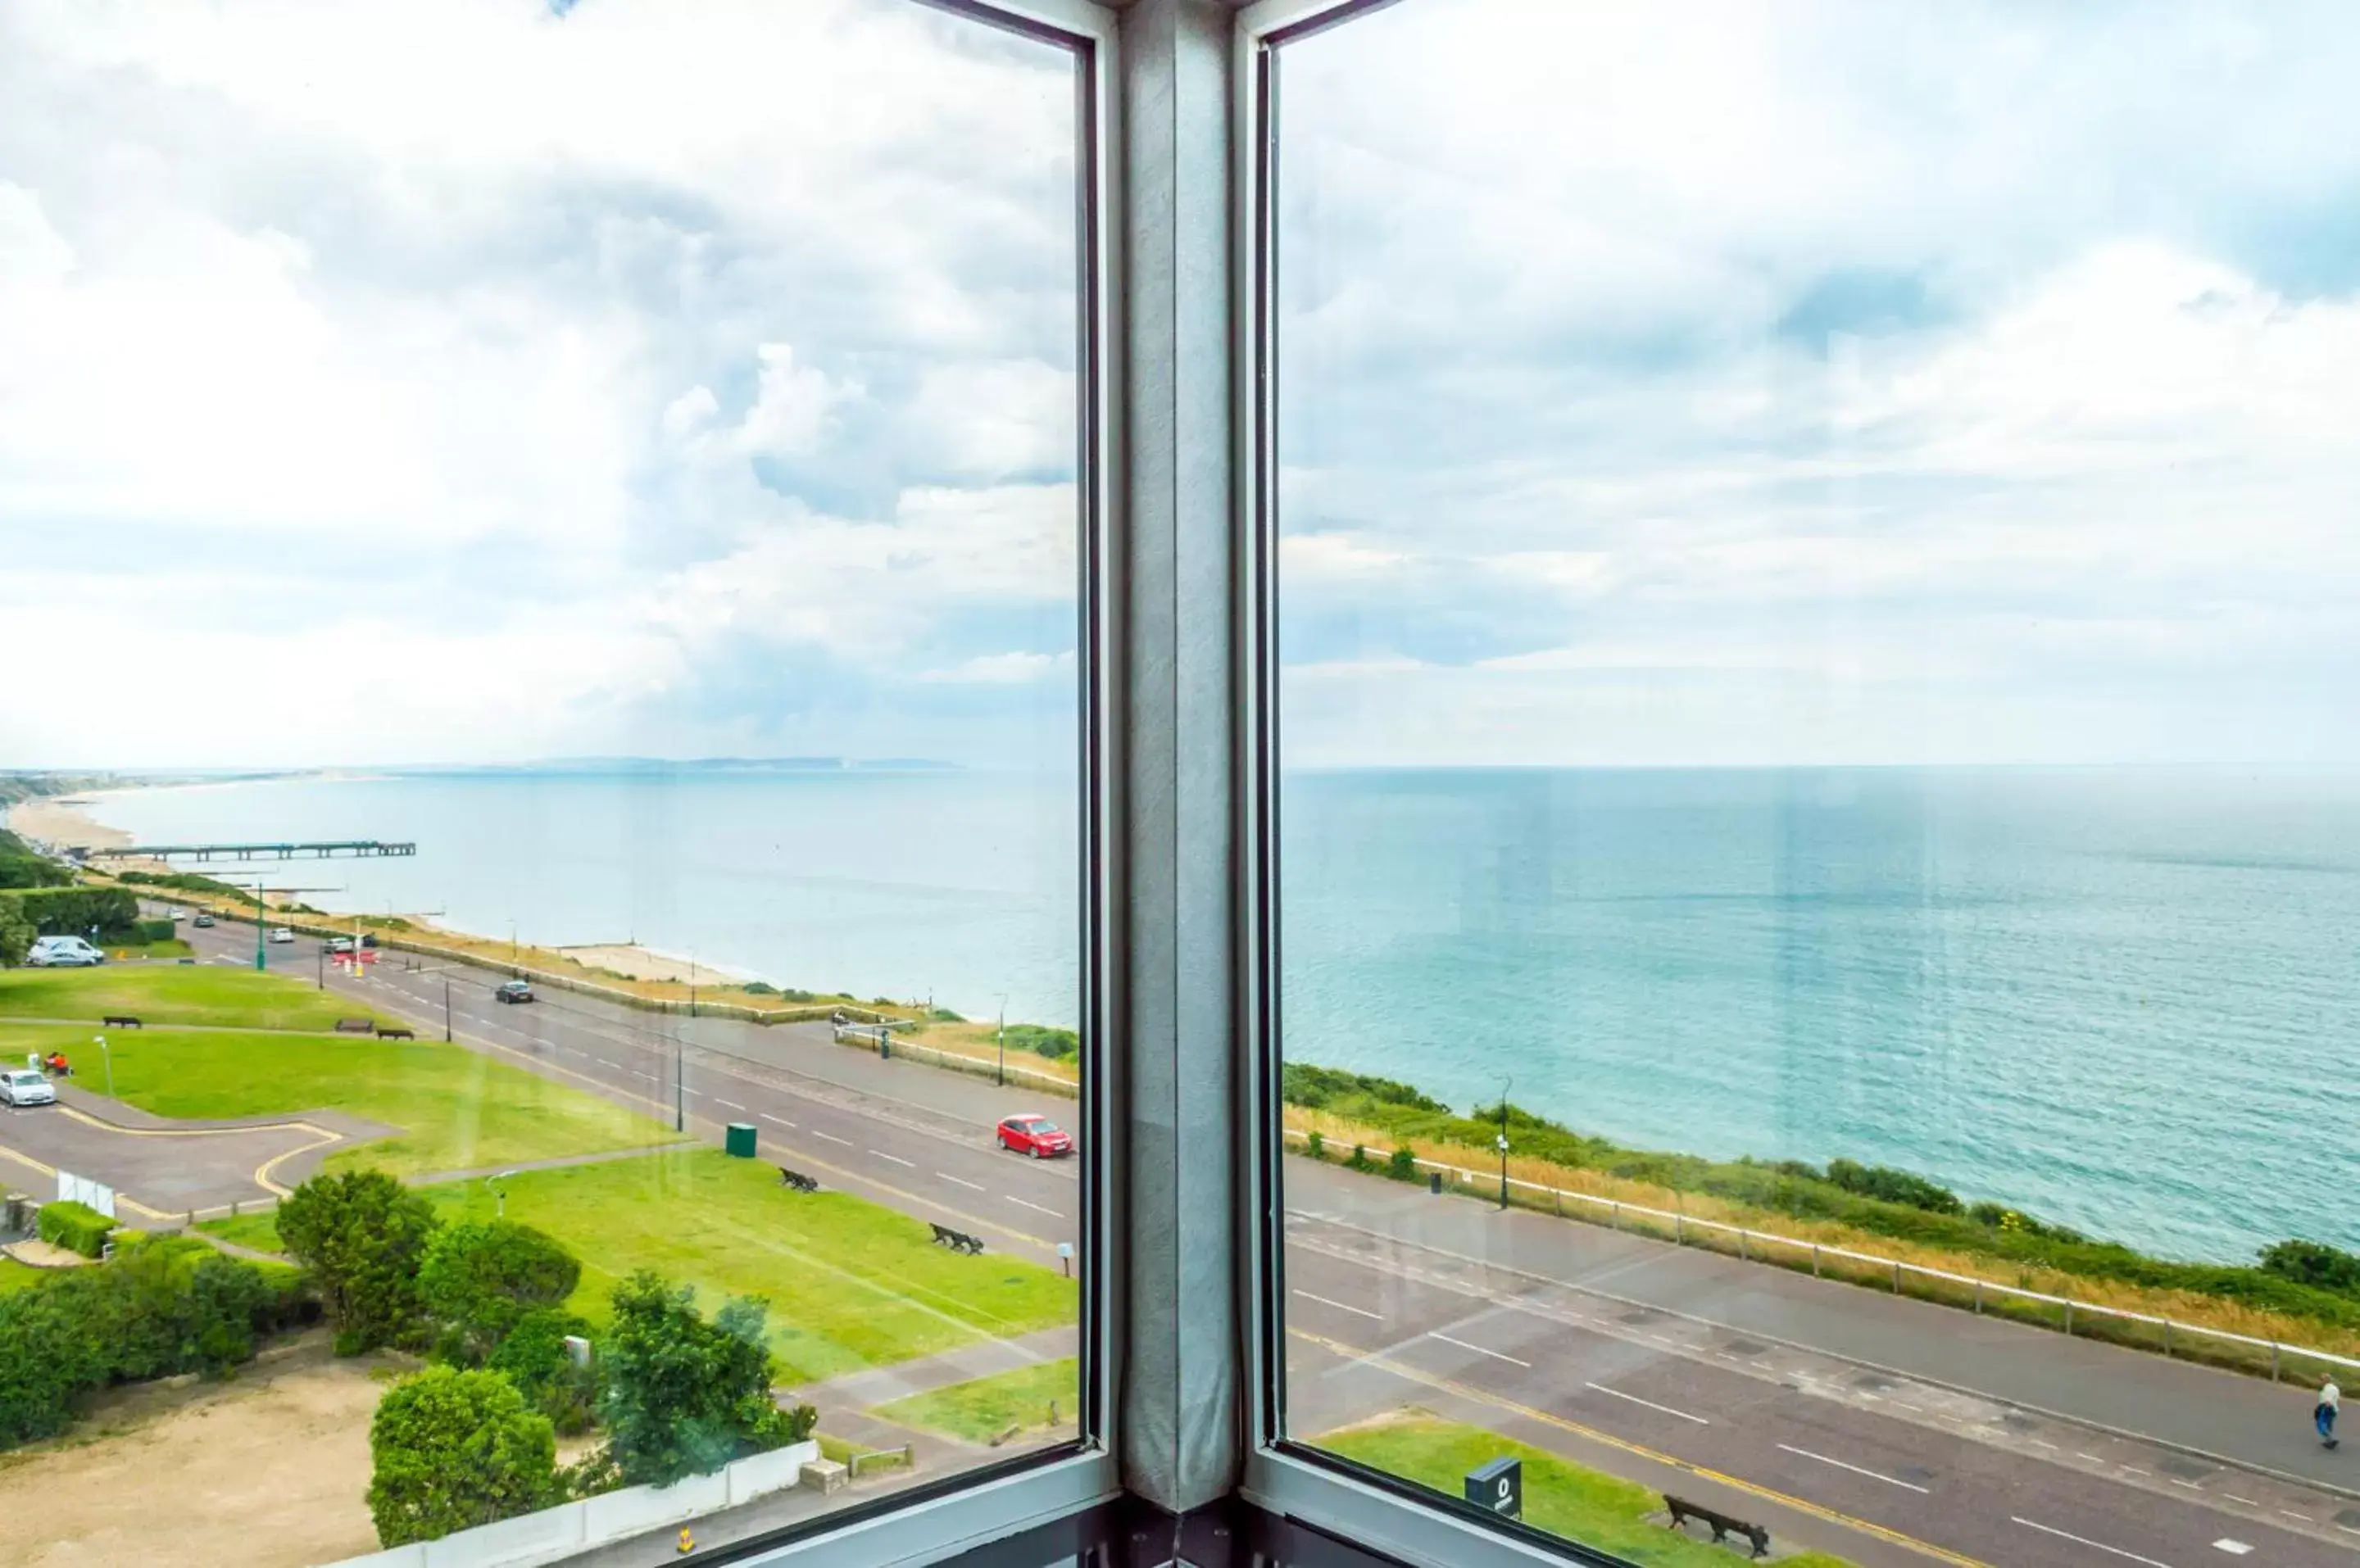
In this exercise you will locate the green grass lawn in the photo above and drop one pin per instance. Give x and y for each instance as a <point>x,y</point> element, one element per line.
<point>177,994</point>
<point>1561,1498</point>
<point>173,948</point>
<point>981,1410</point>
<point>16,1275</point>
<point>851,1284</point>
<point>461,1109</point>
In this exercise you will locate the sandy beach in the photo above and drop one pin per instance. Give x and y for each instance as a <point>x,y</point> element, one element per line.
<point>63,821</point>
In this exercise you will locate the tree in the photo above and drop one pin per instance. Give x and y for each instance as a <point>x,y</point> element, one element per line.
<point>17,934</point>
<point>453,1450</point>
<point>536,1359</point>
<point>481,1277</point>
<point>361,1236</point>
<point>681,1396</point>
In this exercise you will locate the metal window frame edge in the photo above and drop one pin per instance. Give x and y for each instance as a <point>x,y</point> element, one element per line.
<point>1376,1512</point>
<point>962,1518</point>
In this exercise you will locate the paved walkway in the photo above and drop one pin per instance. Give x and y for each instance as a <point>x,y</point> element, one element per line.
<point>963,1364</point>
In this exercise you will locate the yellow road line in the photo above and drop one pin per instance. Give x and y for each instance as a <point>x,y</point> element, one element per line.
<point>121,1199</point>
<point>1768,1494</point>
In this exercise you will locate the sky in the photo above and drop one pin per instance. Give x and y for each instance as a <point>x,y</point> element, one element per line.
<point>471,380</point>
<point>478,380</point>
<point>1822,383</point>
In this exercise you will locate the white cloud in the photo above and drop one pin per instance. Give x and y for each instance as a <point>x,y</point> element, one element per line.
<point>1332,557</point>
<point>996,418</point>
<point>1015,669</point>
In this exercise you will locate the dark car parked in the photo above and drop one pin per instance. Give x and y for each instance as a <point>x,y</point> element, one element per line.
<point>514,991</point>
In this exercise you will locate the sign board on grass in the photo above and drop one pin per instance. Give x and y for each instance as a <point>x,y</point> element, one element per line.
<point>1498,1487</point>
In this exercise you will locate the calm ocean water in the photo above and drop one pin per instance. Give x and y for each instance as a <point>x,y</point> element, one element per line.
<point>2128,1001</point>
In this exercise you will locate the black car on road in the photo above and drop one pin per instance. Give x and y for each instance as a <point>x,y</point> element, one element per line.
<point>514,991</point>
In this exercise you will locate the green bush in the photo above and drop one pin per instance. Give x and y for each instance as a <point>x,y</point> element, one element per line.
<point>72,911</point>
<point>1401,1165</point>
<point>942,1015</point>
<point>1053,1044</point>
<point>480,1277</point>
<point>361,1238</point>
<point>759,988</point>
<point>535,1359</point>
<point>151,931</point>
<point>2314,1263</point>
<point>163,1305</point>
<point>1323,1088</point>
<point>451,1450</point>
<point>19,868</point>
<point>1314,1144</point>
<point>77,1228</point>
<point>681,1396</point>
<point>1892,1186</point>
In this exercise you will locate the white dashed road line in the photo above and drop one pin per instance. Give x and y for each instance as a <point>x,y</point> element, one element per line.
<point>778,1121</point>
<point>2084,1541</point>
<point>731,1104</point>
<point>894,1158</point>
<point>1872,1474</point>
<point>832,1137</point>
<point>1617,1393</point>
<point>1339,1305</point>
<point>1034,1207</point>
<point>2233,1548</point>
<point>1479,1350</point>
<point>960,1180</point>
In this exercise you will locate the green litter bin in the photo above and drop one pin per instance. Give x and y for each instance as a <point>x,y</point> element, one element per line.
<point>740,1139</point>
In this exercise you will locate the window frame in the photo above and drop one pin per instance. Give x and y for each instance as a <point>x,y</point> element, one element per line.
<point>1356,1501</point>
<point>975,1506</point>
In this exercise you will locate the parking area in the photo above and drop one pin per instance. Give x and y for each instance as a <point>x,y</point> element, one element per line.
<point>168,1168</point>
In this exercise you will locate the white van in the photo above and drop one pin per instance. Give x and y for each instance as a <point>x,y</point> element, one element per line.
<point>62,952</point>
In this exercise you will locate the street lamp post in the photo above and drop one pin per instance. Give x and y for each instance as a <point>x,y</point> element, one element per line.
<point>446,1009</point>
<point>679,1085</point>
<point>260,911</point>
<point>1502,1140</point>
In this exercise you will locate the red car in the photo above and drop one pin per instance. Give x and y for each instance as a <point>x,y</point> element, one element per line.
<point>1036,1136</point>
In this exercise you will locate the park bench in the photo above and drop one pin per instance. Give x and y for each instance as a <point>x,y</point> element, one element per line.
<point>798,1181</point>
<point>1722,1524</point>
<point>396,1033</point>
<point>121,1020</point>
<point>355,1025</point>
<point>957,1240</point>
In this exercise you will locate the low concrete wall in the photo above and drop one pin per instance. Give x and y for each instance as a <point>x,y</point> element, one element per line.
<point>561,1531</point>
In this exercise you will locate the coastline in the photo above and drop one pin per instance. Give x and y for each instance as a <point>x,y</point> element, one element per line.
<point>62,821</point>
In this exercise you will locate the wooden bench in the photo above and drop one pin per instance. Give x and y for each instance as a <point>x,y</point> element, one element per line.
<point>396,1033</point>
<point>956,1240</point>
<point>799,1181</point>
<point>355,1025</point>
<point>121,1020</point>
<point>1722,1524</point>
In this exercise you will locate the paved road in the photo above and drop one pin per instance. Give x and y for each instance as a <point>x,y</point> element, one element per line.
<point>1833,1410</point>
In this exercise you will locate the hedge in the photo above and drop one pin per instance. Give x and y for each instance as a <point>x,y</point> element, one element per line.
<point>71,911</point>
<point>163,1305</point>
<point>77,1228</point>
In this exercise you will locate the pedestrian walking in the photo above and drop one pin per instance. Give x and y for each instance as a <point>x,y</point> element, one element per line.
<point>2330,1398</point>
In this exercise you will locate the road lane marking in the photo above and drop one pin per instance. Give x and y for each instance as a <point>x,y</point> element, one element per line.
<point>2037,1443</point>
<point>2084,1541</point>
<point>731,1104</point>
<point>2189,1484</point>
<point>882,1155</point>
<point>2134,1470</point>
<point>2247,1501</point>
<point>960,1180</point>
<point>1602,1389</point>
<point>832,1137</point>
<point>1339,1306</point>
<point>1479,1350</point>
<point>2233,1548</point>
<point>1872,1474</point>
<point>2090,1457</point>
<point>778,1121</point>
<point>2291,1514</point>
<point>1034,1207</point>
<point>1687,1467</point>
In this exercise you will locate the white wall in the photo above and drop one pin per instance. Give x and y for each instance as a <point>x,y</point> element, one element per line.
<point>559,1531</point>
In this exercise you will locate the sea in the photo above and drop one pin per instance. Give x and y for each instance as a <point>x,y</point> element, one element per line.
<point>2126,1000</point>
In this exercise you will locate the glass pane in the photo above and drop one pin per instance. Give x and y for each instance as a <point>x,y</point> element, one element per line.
<point>542,550</point>
<point>1820,820</point>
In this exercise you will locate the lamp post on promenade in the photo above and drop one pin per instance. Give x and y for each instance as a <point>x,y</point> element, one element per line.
<point>1505,1084</point>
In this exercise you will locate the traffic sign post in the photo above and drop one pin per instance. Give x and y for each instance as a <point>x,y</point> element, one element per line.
<point>1498,1487</point>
